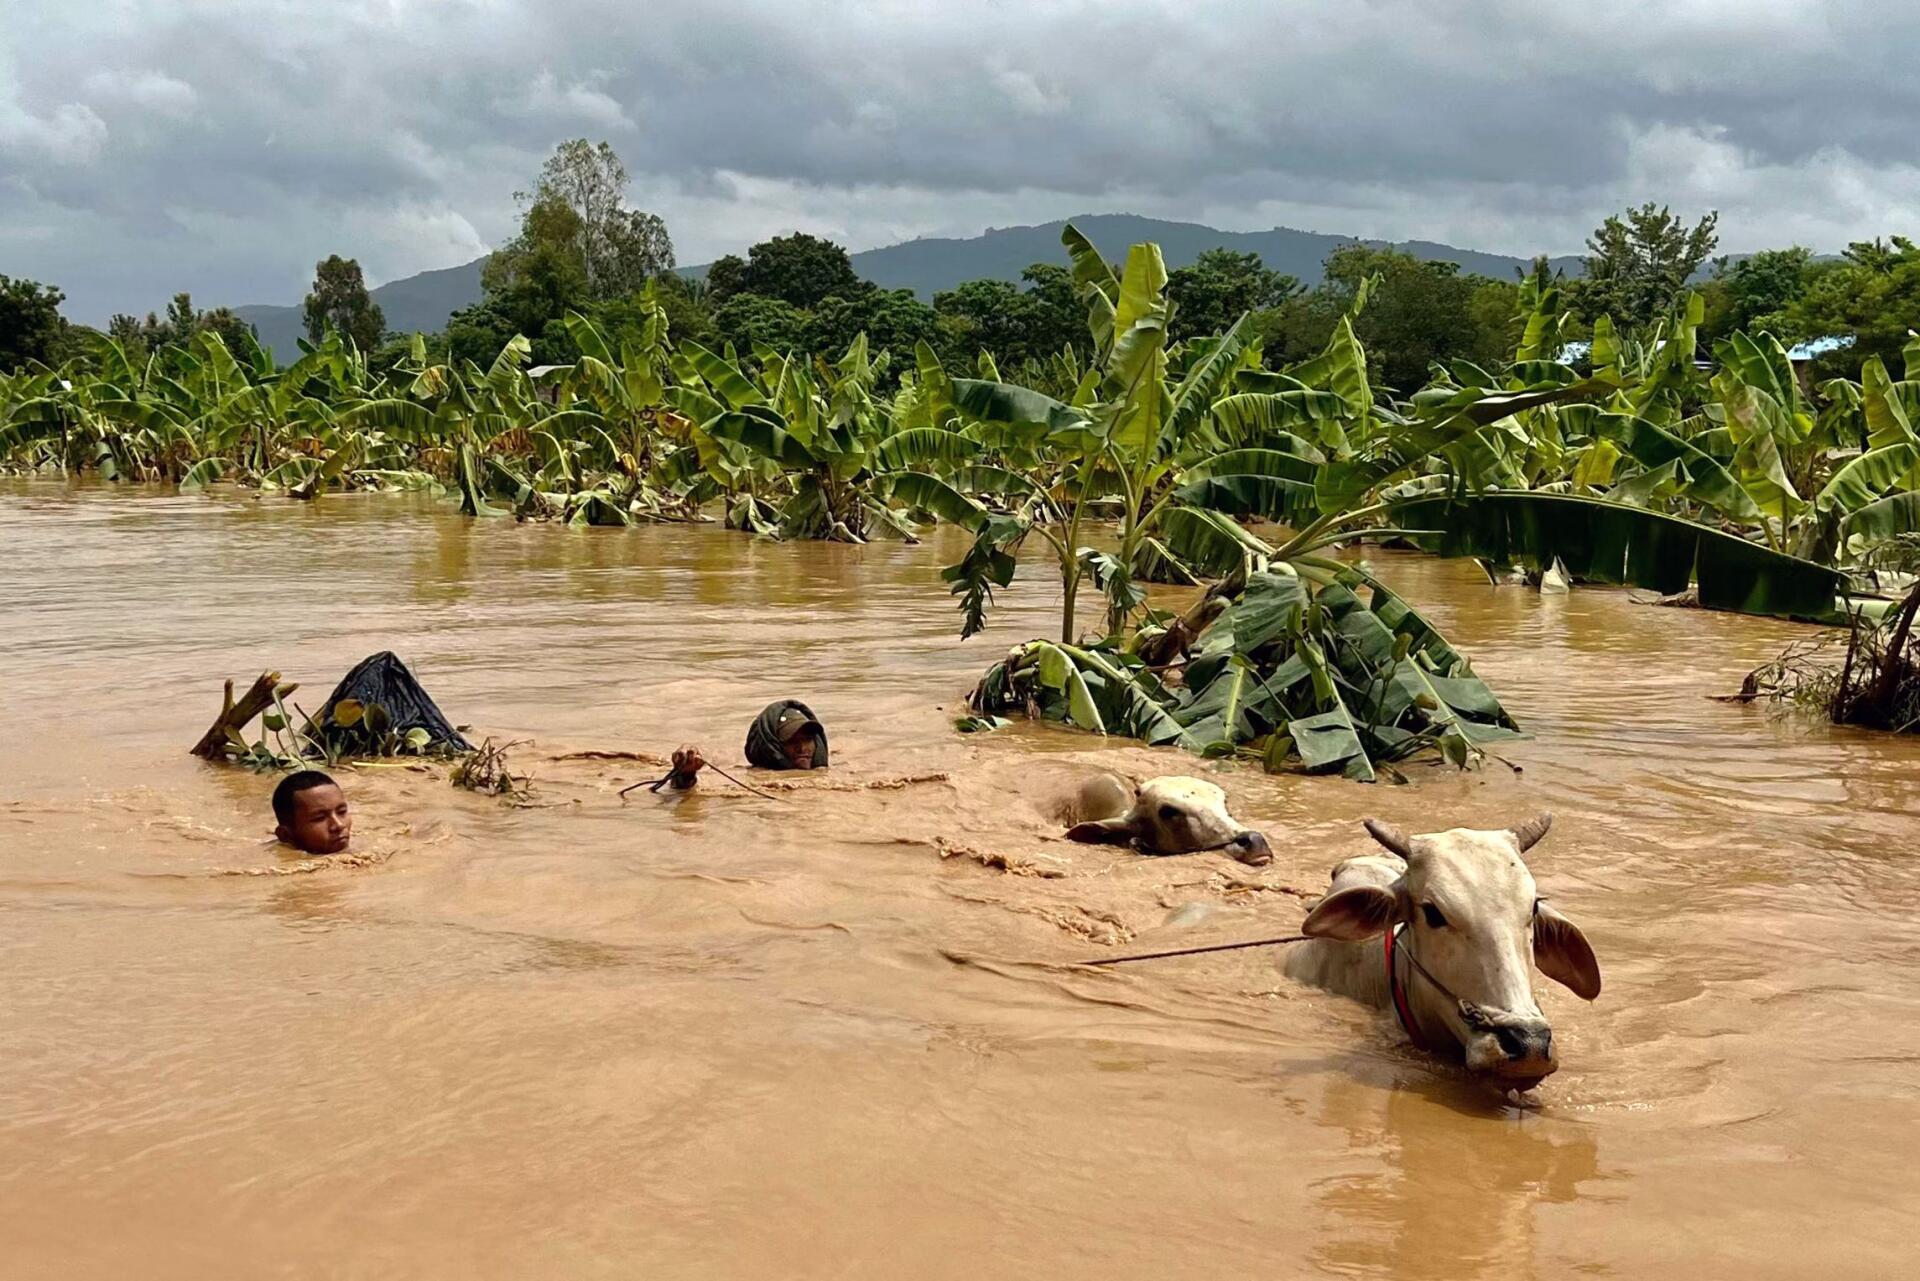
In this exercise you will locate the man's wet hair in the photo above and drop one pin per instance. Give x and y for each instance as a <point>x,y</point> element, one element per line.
<point>291,786</point>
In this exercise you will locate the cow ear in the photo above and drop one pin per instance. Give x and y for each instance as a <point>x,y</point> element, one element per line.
<point>1563,953</point>
<point>1107,831</point>
<point>1355,913</point>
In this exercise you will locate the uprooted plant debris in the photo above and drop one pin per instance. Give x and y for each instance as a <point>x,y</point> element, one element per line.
<point>1867,675</point>
<point>485,770</point>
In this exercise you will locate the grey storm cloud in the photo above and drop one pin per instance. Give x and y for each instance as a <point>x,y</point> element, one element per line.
<point>223,147</point>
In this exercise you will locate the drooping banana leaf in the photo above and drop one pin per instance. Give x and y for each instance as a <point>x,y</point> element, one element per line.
<point>732,386</point>
<point>922,492</point>
<point>1008,403</point>
<point>922,446</point>
<point>1339,484</point>
<point>1607,542</point>
<point>1878,521</point>
<point>1094,279</point>
<point>763,436</point>
<point>1208,543</point>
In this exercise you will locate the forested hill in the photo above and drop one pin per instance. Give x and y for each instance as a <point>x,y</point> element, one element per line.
<point>424,302</point>
<point>928,266</point>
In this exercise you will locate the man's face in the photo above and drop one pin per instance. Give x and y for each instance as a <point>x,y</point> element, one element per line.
<point>321,823</point>
<point>800,750</point>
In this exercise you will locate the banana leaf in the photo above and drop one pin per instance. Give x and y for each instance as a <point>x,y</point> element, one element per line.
<point>922,492</point>
<point>1607,542</point>
<point>997,402</point>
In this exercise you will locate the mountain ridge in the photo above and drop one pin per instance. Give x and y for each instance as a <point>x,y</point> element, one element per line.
<point>929,264</point>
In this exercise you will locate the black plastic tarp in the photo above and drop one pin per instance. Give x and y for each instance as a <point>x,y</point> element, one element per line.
<point>383,682</point>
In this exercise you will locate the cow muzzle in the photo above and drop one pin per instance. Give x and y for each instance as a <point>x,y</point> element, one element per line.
<point>1250,848</point>
<point>1516,1051</point>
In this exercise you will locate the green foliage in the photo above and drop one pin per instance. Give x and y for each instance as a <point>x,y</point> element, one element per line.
<point>748,318</point>
<point>1415,313</point>
<point>339,301</point>
<point>1017,324</point>
<point>1219,288</point>
<point>1755,292</point>
<point>1871,296</point>
<point>1638,264</point>
<point>577,223</point>
<point>140,338</point>
<point>800,270</point>
<point>31,327</point>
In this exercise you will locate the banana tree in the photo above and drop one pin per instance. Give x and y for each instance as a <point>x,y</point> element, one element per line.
<point>1295,655</point>
<point>822,431</point>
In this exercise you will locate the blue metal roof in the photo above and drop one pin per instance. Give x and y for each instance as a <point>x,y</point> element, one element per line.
<point>1820,346</point>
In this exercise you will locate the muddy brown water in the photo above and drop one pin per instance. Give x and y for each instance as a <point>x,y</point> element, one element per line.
<point>721,1036</point>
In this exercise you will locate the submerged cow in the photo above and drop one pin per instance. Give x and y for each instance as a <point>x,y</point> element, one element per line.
<point>1173,815</point>
<point>1460,918</point>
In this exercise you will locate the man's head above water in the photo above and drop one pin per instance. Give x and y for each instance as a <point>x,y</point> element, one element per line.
<point>311,813</point>
<point>787,735</point>
<point>799,736</point>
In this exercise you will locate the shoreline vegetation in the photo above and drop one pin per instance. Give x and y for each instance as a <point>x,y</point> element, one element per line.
<point>1180,419</point>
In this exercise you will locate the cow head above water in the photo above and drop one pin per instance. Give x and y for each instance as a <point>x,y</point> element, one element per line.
<point>1473,919</point>
<point>1177,815</point>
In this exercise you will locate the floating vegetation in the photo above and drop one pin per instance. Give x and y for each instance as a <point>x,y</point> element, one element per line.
<point>485,770</point>
<point>1867,675</point>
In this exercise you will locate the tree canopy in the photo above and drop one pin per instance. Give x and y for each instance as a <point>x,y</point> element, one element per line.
<point>31,327</point>
<point>339,301</point>
<point>1637,264</point>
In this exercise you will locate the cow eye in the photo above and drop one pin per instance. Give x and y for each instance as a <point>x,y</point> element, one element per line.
<point>1168,814</point>
<point>1435,919</point>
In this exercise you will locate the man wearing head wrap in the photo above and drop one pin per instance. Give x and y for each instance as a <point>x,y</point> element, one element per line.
<point>786,735</point>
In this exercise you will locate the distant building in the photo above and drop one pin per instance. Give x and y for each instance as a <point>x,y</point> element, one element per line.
<point>546,390</point>
<point>1815,347</point>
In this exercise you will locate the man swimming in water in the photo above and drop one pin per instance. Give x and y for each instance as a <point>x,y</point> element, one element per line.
<point>311,813</point>
<point>787,735</point>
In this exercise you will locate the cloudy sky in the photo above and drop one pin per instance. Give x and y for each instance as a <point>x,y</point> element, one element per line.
<point>222,146</point>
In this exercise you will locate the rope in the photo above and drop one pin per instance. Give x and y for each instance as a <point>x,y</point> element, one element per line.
<point>1195,951</point>
<point>655,784</point>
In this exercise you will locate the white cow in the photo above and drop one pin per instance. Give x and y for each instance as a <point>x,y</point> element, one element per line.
<point>1441,929</point>
<point>1172,815</point>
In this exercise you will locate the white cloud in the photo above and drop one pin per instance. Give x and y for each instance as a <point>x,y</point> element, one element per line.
<point>69,134</point>
<point>147,90</point>
<point>223,146</point>
<point>546,97</point>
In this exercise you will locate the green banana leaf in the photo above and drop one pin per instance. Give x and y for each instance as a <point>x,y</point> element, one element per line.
<point>1606,542</point>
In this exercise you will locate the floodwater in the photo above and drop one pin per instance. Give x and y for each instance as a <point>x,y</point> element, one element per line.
<point>723,1036</point>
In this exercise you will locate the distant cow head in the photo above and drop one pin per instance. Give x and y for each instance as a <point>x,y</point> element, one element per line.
<point>1178,815</point>
<point>1474,919</point>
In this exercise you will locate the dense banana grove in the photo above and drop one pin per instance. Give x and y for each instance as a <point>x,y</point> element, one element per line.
<point>1141,461</point>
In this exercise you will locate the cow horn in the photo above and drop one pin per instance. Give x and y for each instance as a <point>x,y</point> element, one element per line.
<point>1529,833</point>
<point>1390,836</point>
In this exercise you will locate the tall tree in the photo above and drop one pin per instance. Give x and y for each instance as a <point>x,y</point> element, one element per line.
<point>892,319</point>
<point>1637,265</point>
<point>339,300</point>
<point>1219,288</point>
<point>1752,293</point>
<point>1872,295</point>
<point>138,337</point>
<point>31,327</point>
<point>1417,312</point>
<point>726,276</point>
<point>618,249</point>
<point>800,270</point>
<point>1015,324</point>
